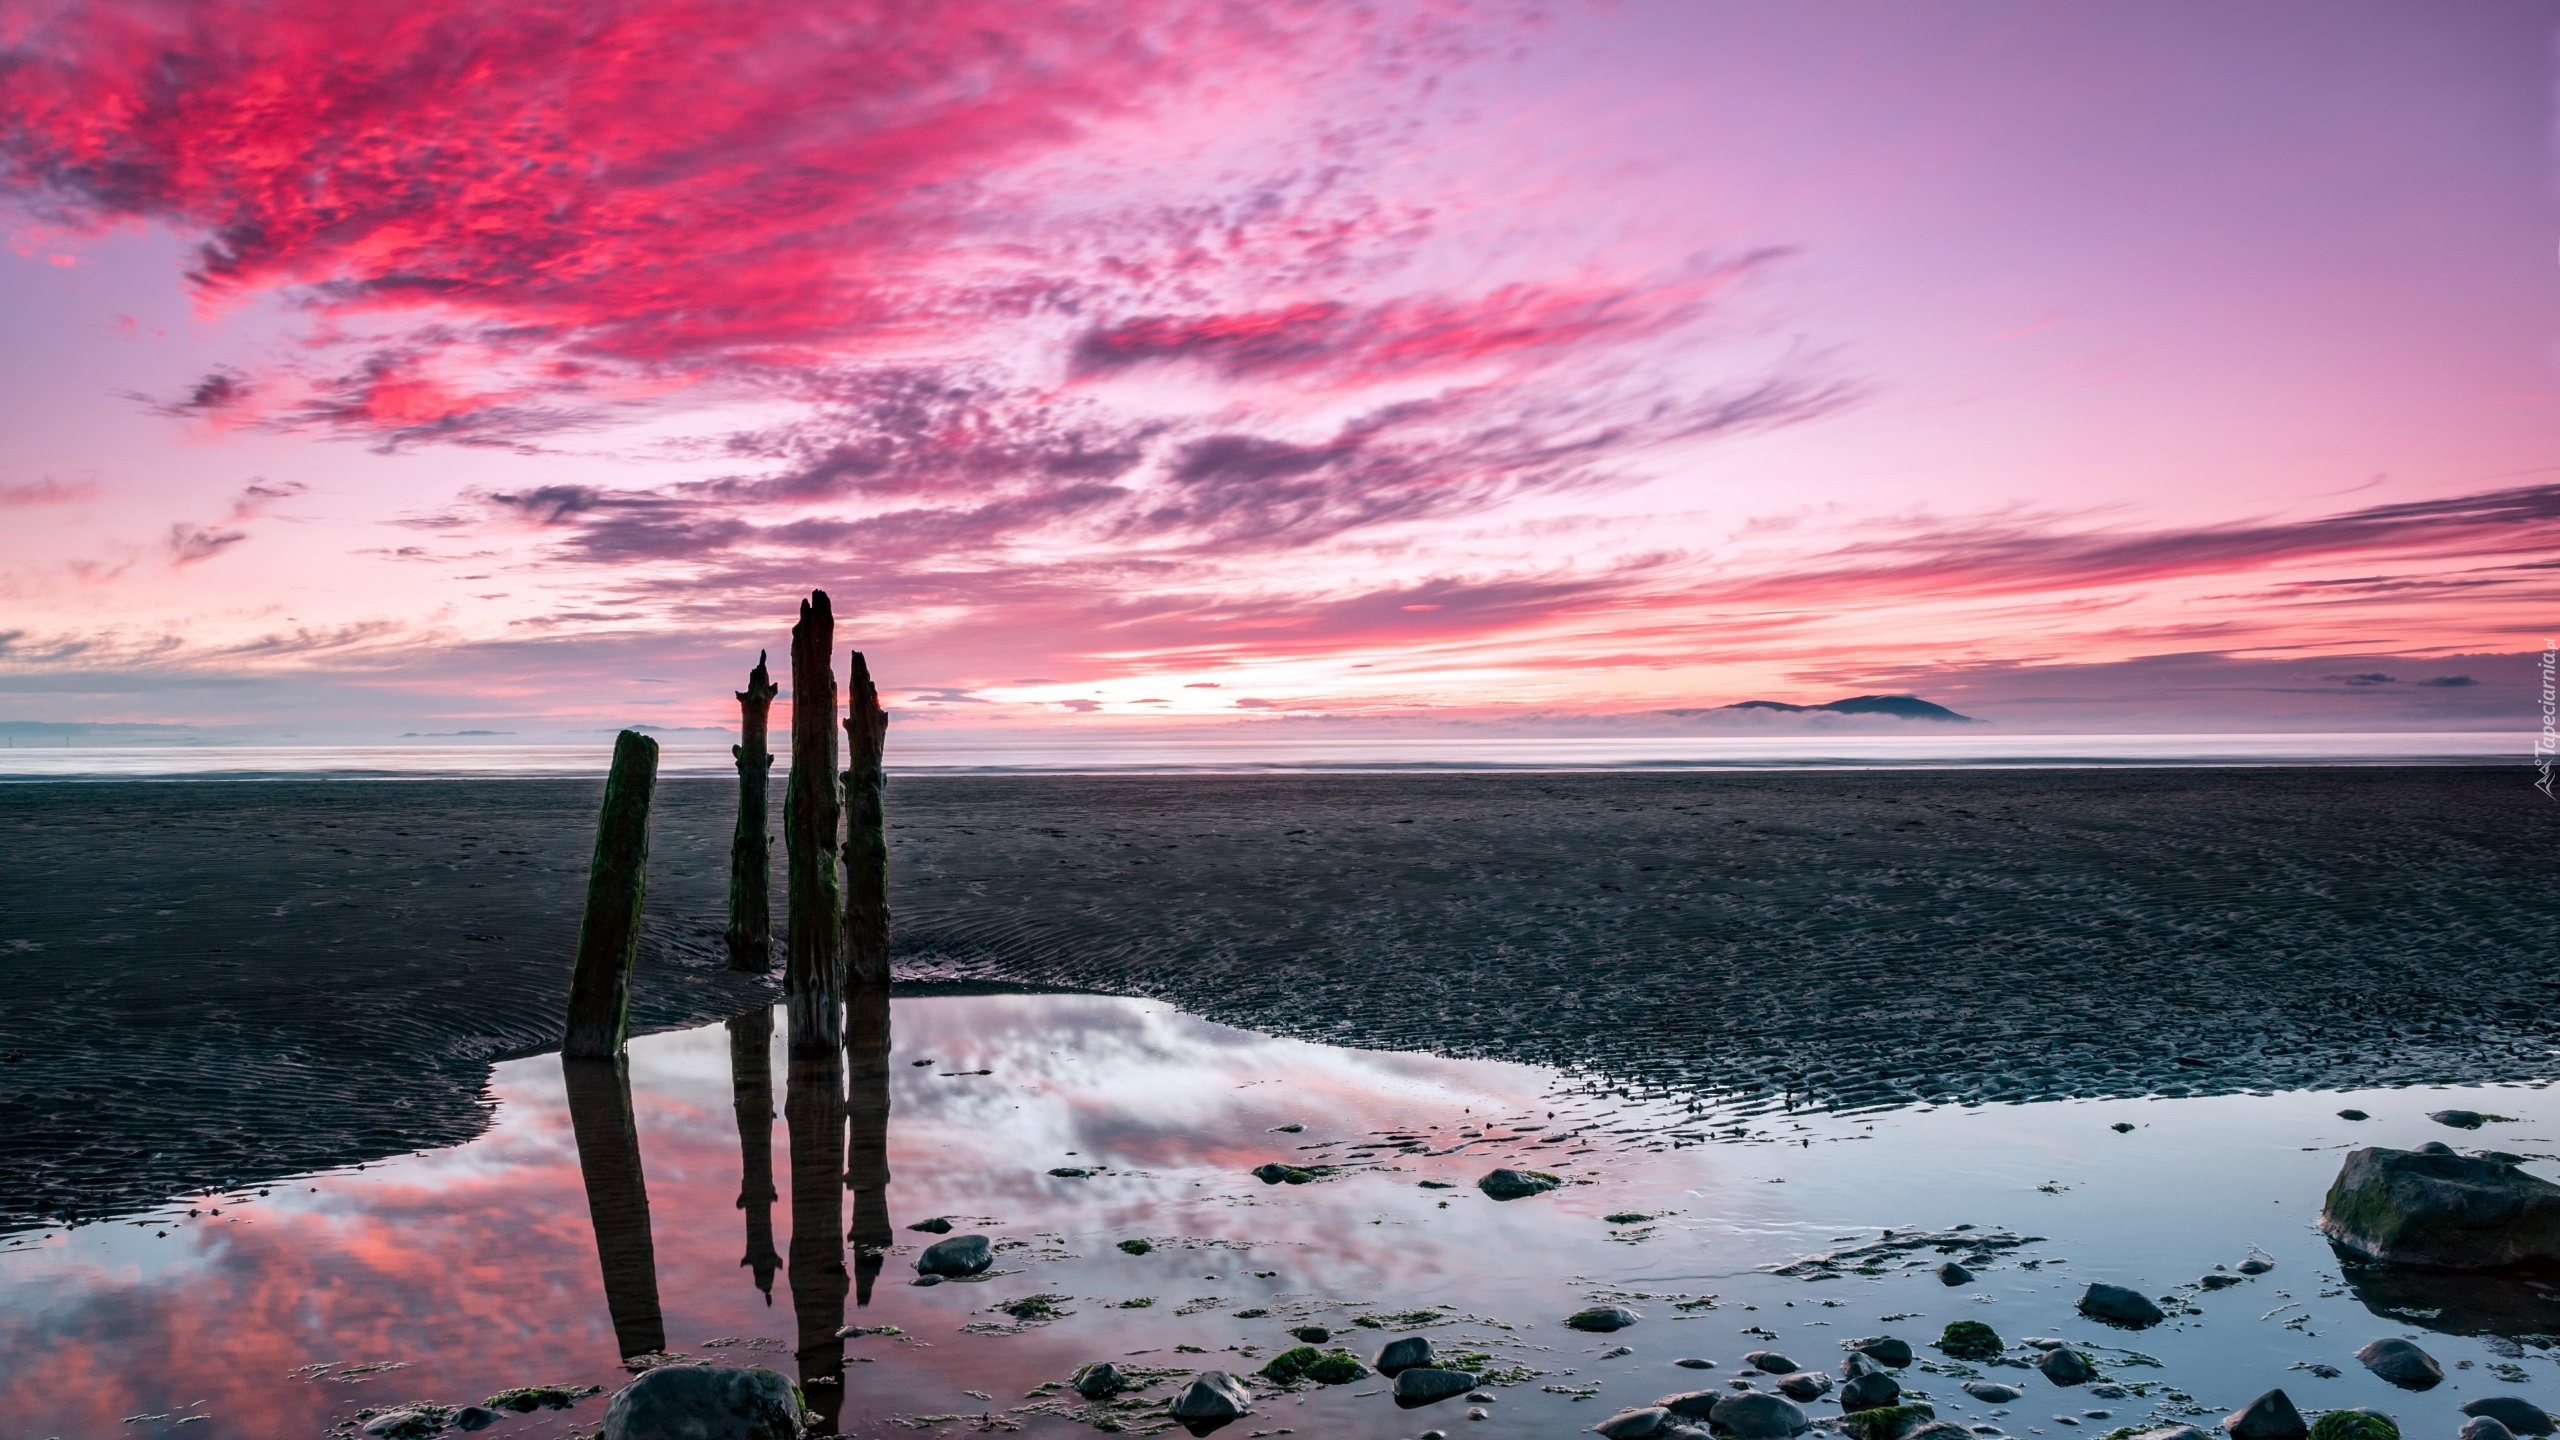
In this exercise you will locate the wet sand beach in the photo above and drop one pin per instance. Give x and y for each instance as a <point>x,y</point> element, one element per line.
<point>211,983</point>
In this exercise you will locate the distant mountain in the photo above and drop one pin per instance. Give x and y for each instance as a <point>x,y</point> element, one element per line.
<point>1901,707</point>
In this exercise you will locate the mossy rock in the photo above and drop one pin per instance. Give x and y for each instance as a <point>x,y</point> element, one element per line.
<point>2353,1425</point>
<point>1970,1340</point>
<point>526,1398</point>
<point>1137,1247</point>
<point>1509,1184</point>
<point>1885,1422</point>
<point>1306,1362</point>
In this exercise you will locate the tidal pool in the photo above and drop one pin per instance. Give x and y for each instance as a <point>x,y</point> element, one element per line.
<point>727,1203</point>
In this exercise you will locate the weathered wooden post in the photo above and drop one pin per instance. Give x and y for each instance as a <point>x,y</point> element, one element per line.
<point>813,973</point>
<point>750,933</point>
<point>609,935</point>
<point>866,839</point>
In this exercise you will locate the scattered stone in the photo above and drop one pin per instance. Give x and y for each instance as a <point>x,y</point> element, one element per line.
<point>2433,1208</point>
<point>2045,1342</point>
<point>1429,1385</point>
<point>1311,1334</point>
<point>525,1399</point>
<point>2355,1425</point>
<point>938,1225</point>
<point>1626,1217</point>
<point>2109,1391</point>
<point>2217,1280</point>
<point>704,1402</point>
<point>1858,1362</point>
<point>2483,1427</point>
<point>926,1280</point>
<point>1212,1397</point>
<point>1889,1422</point>
<point>1952,1273</point>
<point>2255,1265</point>
<point>1938,1430</point>
<point>1992,1392</point>
<point>1616,1352</point>
<point>1692,1362</point>
<point>2459,1119</point>
<point>1602,1319</point>
<point>2174,1432</point>
<point>1970,1340</point>
<point>1292,1128</point>
<point>2403,1364</point>
<point>2065,1366</point>
<point>960,1255</point>
<point>1694,1404</point>
<point>2116,1305</point>
<point>1805,1385</point>
<point>1137,1247</point>
<point>1099,1381</point>
<point>1072,1172</point>
<point>1276,1173</point>
<point>475,1417</point>
<point>2122,1127</point>
<point>1510,1184</point>
<point>1306,1362</point>
<point>1893,1352</point>
<point>2516,1413</point>
<point>1757,1417</point>
<point>1771,1361</point>
<point>2269,1417</point>
<point>1871,1392</point>
<point>1403,1354</point>
<point>1477,1412</point>
<point>2353,1115</point>
<point>402,1425</point>
<point>1635,1424</point>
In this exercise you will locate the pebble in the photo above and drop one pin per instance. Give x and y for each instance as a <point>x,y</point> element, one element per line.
<point>2065,1366</point>
<point>1311,1334</point>
<point>1098,1381</point>
<point>2516,1413</point>
<point>1870,1392</point>
<point>1893,1352</point>
<point>2269,1417</point>
<point>1693,1362</point>
<point>475,1417</point>
<point>1478,1413</point>
<point>1757,1417</point>
<point>2483,1427</point>
<point>2459,1119</point>
<point>1771,1361</point>
<point>2109,1392</point>
<point>2353,1115</point>
<point>1213,1395</point>
<point>1428,1385</point>
<point>957,1256</point>
<point>1405,1353</point>
<point>1805,1385</point>
<point>1952,1273</point>
<point>2255,1265</point>
<point>1510,1184</point>
<point>1641,1424</point>
<point>2116,1305</point>
<point>1992,1392</point>
<point>1602,1319</point>
<point>1695,1404</point>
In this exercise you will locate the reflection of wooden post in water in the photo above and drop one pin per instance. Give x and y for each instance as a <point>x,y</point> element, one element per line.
<point>750,932</point>
<point>813,977</point>
<point>617,1199</point>
<point>751,1078</point>
<point>866,839</point>
<point>813,1110</point>
<point>866,1047</point>
<point>609,934</point>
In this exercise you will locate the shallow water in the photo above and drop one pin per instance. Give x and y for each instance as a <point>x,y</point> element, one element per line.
<point>448,1276</point>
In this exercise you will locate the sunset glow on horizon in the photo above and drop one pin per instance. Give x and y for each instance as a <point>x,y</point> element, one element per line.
<point>2102,367</point>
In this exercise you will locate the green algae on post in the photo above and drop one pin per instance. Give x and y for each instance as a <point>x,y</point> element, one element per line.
<point>609,933</point>
<point>750,932</point>
<point>813,968</point>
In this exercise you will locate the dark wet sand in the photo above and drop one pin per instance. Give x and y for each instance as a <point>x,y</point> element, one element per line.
<point>213,982</point>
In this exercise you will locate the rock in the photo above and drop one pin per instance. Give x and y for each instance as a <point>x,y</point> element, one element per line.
<point>2403,1364</point>
<point>1428,1385</point>
<point>926,1280</point>
<point>2255,1265</point>
<point>1213,1397</point>
<point>2045,1342</point>
<point>1938,1430</point>
<point>1952,1273</point>
<point>1477,1412</point>
<point>402,1424</point>
<point>1072,1172</point>
<point>2269,1417</point>
<point>1805,1385</point>
<point>2065,1366</point>
<point>1403,1354</point>
<point>1292,1128</point>
<point>2109,1391</point>
<point>2459,1119</point>
<point>1757,1417</point>
<point>1099,1381</point>
<point>2353,1115</point>
<point>475,1417</point>
<point>1870,1392</point>
<point>2483,1427</point>
<point>704,1402</point>
<point>1279,1174</point>
<point>957,1256</point>
<point>1896,1353</point>
<point>2355,1425</point>
<point>1771,1361</point>
<point>1509,1184</point>
<point>2115,1305</point>
<point>938,1225</point>
<point>2122,1127</point>
<point>1970,1340</point>
<point>1692,1404</point>
<point>2434,1208</point>
<point>1602,1319</point>
<point>1889,1422</point>
<point>2174,1432</point>
<point>1992,1392</point>
<point>2517,1414</point>
<point>1692,1362</point>
<point>1635,1424</point>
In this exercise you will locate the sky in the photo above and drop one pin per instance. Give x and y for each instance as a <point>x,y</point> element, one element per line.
<point>518,366</point>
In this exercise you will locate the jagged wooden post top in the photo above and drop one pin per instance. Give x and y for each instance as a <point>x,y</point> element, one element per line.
<point>813,974</point>
<point>750,932</point>
<point>866,841</point>
<point>609,933</point>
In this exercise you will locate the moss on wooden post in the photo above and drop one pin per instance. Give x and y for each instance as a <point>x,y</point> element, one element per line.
<point>609,934</point>
<point>866,839</point>
<point>750,933</point>
<point>813,973</point>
